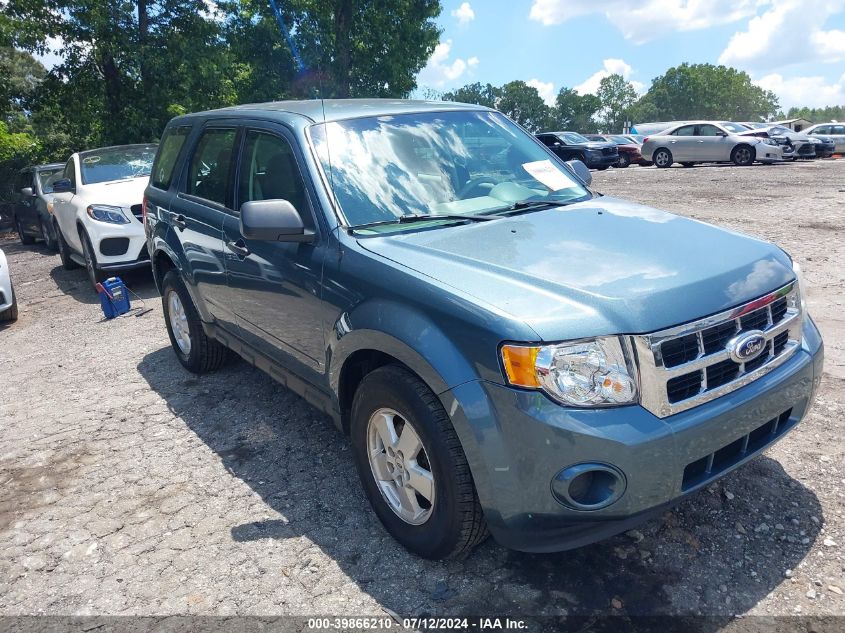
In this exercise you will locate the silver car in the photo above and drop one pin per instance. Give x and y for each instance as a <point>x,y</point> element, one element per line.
<point>803,146</point>
<point>708,142</point>
<point>834,131</point>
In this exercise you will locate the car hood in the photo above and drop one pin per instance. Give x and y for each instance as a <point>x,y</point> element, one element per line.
<point>604,266</point>
<point>598,144</point>
<point>119,193</point>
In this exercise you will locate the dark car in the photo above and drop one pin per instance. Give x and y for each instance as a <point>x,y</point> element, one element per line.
<point>629,152</point>
<point>573,146</point>
<point>509,352</point>
<point>32,208</point>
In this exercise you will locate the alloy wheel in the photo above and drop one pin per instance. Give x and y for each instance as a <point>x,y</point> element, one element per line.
<point>179,322</point>
<point>400,466</point>
<point>89,261</point>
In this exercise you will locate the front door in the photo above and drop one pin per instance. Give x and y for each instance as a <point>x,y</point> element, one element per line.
<point>275,286</point>
<point>713,144</point>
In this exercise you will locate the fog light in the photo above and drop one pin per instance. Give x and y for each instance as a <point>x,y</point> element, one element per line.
<point>588,486</point>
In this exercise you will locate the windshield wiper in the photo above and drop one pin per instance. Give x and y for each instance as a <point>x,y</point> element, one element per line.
<point>421,217</point>
<point>523,205</point>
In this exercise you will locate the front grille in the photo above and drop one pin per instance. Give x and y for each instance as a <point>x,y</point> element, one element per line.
<point>806,149</point>
<point>609,151</point>
<point>688,365</point>
<point>706,468</point>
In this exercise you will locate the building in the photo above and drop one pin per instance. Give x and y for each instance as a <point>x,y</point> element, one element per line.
<point>796,125</point>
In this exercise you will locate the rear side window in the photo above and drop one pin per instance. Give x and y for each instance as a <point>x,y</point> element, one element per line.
<point>168,153</point>
<point>208,177</point>
<point>687,130</point>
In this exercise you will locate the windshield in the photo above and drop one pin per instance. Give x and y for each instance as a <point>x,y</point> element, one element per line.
<point>573,138</point>
<point>777,129</point>
<point>116,163</point>
<point>46,178</point>
<point>436,163</point>
<point>620,140</point>
<point>733,127</point>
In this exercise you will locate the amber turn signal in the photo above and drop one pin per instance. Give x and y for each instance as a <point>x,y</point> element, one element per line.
<point>519,362</point>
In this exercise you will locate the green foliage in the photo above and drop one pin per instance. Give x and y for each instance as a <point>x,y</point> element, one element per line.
<point>704,91</point>
<point>573,111</point>
<point>481,94</point>
<point>817,115</point>
<point>616,97</point>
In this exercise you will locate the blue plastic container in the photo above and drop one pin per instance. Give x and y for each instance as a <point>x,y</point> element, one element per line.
<point>114,299</point>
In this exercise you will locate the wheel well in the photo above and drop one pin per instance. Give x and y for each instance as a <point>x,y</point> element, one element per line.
<point>161,264</point>
<point>358,365</point>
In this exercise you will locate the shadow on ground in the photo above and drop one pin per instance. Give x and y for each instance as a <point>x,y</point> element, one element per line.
<point>75,283</point>
<point>704,558</point>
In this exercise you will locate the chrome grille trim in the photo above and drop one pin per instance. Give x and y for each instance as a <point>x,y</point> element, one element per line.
<point>654,376</point>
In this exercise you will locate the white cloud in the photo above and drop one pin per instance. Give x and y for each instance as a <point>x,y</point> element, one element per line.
<point>546,90</point>
<point>813,92</point>
<point>440,71</point>
<point>643,20</point>
<point>610,66</point>
<point>464,13</point>
<point>789,32</point>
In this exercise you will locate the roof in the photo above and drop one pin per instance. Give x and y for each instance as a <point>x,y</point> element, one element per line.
<point>317,110</point>
<point>50,166</point>
<point>110,147</point>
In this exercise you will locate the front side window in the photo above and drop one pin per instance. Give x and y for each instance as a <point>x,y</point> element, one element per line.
<point>208,177</point>
<point>436,163</point>
<point>269,172</point>
<point>709,130</point>
<point>838,129</point>
<point>46,178</point>
<point>70,172</point>
<point>165,160</point>
<point>822,129</point>
<point>116,163</point>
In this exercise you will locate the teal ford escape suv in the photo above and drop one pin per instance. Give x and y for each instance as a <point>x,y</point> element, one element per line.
<point>510,352</point>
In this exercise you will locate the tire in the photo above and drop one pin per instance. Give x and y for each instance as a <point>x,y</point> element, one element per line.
<point>743,156</point>
<point>623,162</point>
<point>10,314</point>
<point>451,522</point>
<point>602,167</point>
<point>688,164</point>
<point>662,158</point>
<point>47,236</point>
<point>203,353</point>
<point>95,275</point>
<point>64,249</point>
<point>26,240</point>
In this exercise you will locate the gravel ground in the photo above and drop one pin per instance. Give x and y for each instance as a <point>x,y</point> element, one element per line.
<point>129,486</point>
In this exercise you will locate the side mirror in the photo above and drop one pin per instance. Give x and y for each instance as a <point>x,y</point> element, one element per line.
<point>581,170</point>
<point>62,186</point>
<point>27,192</point>
<point>558,144</point>
<point>273,221</point>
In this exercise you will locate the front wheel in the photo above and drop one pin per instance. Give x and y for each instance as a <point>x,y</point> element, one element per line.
<point>623,161</point>
<point>26,240</point>
<point>412,466</point>
<point>663,158</point>
<point>94,273</point>
<point>197,352</point>
<point>47,235</point>
<point>742,156</point>
<point>64,250</point>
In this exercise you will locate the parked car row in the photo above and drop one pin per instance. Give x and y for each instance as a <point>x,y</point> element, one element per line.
<point>510,352</point>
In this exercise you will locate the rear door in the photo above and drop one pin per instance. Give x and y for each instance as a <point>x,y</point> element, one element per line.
<point>276,286</point>
<point>196,215</point>
<point>683,144</point>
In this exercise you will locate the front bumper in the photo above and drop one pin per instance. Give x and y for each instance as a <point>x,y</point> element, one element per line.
<point>601,160</point>
<point>120,246</point>
<point>517,441</point>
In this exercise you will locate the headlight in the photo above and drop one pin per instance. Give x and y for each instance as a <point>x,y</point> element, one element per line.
<point>802,287</point>
<point>589,373</point>
<point>106,213</point>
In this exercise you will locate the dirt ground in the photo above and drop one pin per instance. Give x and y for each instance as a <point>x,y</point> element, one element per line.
<point>129,486</point>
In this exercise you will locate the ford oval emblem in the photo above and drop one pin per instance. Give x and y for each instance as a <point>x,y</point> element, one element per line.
<point>747,346</point>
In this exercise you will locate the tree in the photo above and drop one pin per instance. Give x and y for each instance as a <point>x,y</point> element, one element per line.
<point>616,96</point>
<point>573,111</point>
<point>478,93</point>
<point>20,76</point>
<point>817,115</point>
<point>524,105</point>
<point>704,91</point>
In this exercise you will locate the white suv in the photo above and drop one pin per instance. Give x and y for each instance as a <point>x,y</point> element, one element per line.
<point>97,209</point>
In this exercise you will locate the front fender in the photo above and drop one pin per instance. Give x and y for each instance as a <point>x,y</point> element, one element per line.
<point>404,333</point>
<point>167,242</point>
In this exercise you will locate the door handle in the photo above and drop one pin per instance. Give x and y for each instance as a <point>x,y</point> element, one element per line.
<point>180,221</point>
<point>238,247</point>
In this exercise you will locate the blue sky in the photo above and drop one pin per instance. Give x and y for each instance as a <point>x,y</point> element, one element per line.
<point>795,48</point>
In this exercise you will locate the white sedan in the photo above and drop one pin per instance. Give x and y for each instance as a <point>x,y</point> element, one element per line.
<point>8,302</point>
<point>97,209</point>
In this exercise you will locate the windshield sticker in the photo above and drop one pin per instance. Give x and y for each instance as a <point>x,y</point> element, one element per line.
<point>89,160</point>
<point>548,174</point>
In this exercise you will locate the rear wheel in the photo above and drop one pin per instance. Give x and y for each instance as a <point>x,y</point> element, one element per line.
<point>47,235</point>
<point>197,352</point>
<point>11,313</point>
<point>742,156</point>
<point>26,240</point>
<point>64,250</point>
<point>412,466</point>
<point>663,158</point>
